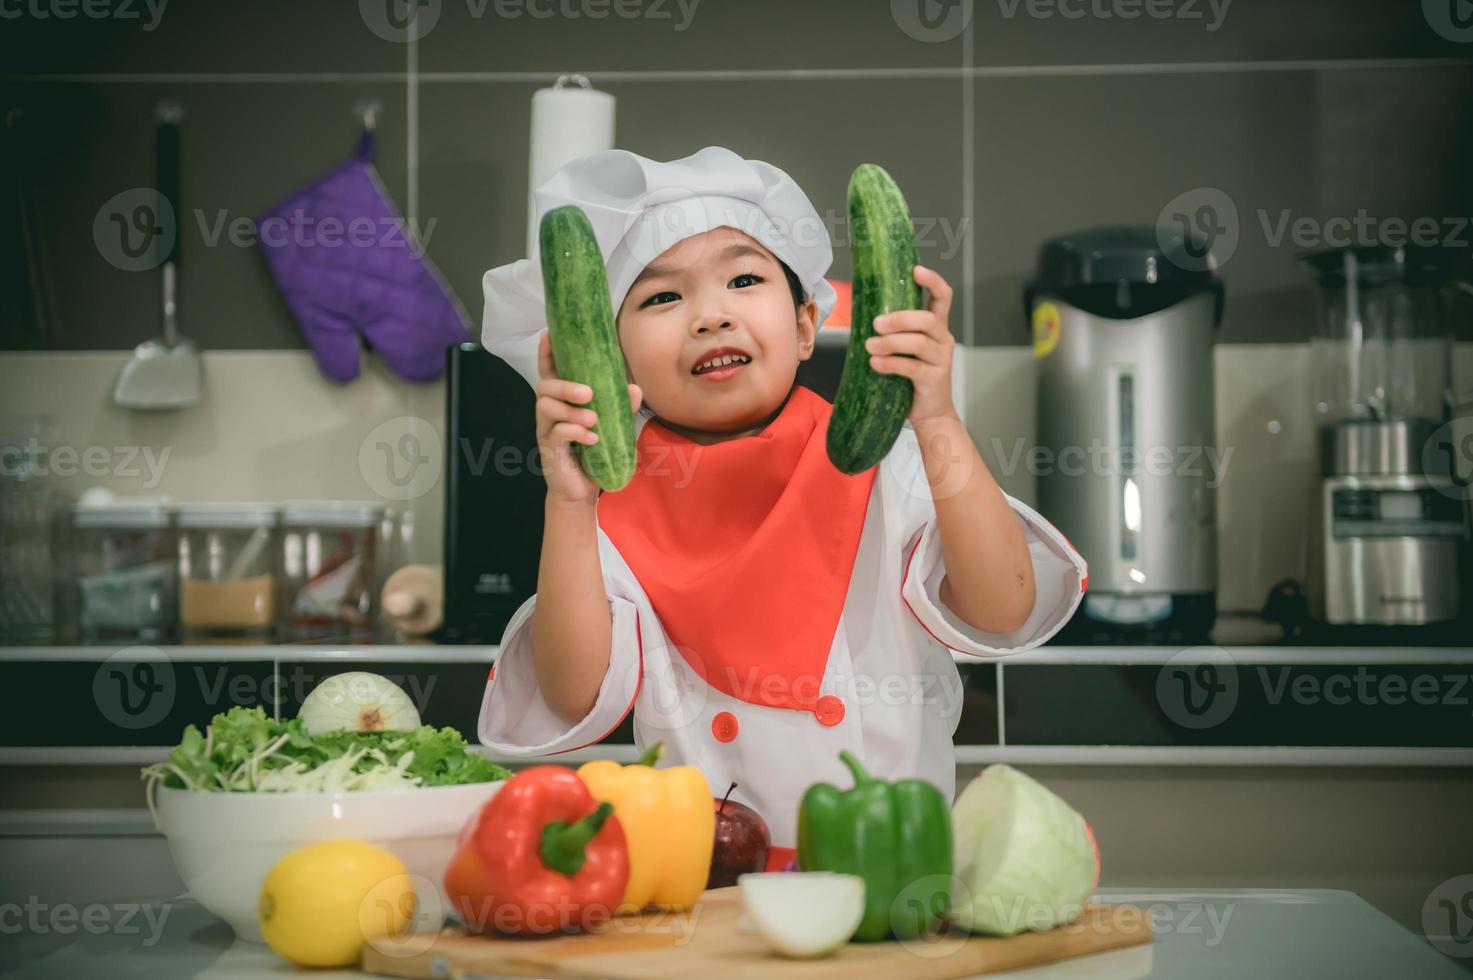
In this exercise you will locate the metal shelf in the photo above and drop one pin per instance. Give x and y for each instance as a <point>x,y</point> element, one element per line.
<point>267,653</point>
<point>1112,656</point>
<point>1278,756</point>
<point>966,755</point>
<point>143,755</point>
<point>1073,656</point>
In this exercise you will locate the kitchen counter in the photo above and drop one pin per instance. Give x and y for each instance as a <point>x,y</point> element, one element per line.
<point>1200,935</point>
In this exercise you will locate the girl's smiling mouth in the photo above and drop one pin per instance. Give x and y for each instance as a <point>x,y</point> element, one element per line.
<point>723,362</point>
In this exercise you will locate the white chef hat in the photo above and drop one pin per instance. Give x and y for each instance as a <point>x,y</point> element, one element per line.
<point>639,208</point>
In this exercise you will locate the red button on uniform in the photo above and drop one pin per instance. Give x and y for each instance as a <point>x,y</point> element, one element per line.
<point>724,726</point>
<point>830,710</point>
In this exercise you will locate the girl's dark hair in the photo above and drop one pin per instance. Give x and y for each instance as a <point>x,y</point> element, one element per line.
<point>794,286</point>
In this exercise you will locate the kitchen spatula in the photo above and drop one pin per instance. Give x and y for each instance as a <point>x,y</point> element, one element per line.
<point>164,372</point>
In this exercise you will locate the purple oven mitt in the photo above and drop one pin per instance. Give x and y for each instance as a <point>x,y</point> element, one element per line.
<point>339,253</point>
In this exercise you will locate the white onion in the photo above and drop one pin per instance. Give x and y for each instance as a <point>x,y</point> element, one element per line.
<point>803,914</point>
<point>358,702</point>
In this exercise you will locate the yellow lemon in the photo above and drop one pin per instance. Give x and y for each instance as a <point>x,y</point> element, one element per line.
<point>321,903</point>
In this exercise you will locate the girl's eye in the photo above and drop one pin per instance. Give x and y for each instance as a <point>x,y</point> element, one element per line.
<point>659,299</point>
<point>745,279</point>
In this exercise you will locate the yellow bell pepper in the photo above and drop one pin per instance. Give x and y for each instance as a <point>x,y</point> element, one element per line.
<point>669,821</point>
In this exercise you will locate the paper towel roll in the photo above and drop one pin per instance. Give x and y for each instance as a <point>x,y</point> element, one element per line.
<point>569,120</point>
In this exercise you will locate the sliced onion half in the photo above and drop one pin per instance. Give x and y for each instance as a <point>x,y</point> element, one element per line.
<point>803,914</point>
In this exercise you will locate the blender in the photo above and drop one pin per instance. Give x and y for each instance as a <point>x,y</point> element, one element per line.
<point>1388,517</point>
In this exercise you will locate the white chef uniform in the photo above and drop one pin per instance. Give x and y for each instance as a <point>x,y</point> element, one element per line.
<point>890,692</point>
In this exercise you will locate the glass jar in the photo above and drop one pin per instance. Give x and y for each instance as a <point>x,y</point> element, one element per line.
<point>328,567</point>
<point>227,591</point>
<point>27,508</point>
<point>126,563</point>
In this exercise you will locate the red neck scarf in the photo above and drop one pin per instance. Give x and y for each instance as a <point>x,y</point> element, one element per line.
<point>746,549</point>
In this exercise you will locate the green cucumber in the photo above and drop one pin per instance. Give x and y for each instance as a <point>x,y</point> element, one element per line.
<point>870,407</point>
<point>585,341</point>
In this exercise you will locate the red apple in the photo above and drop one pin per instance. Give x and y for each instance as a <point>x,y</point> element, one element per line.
<point>742,840</point>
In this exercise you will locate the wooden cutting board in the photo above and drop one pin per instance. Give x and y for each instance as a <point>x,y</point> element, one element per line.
<point>704,943</point>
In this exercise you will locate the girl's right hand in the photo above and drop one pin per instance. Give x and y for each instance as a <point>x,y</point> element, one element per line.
<point>563,419</point>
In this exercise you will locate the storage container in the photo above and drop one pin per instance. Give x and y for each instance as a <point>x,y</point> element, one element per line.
<point>126,562</point>
<point>328,567</point>
<point>227,590</point>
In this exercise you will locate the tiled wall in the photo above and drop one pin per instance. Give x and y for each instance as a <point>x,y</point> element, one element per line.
<point>1014,129</point>
<point>270,428</point>
<point>267,427</point>
<point>1018,128</point>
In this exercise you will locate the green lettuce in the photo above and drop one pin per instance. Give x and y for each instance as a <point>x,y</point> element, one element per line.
<point>244,750</point>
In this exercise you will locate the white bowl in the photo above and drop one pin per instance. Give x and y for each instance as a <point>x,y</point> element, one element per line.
<point>224,844</point>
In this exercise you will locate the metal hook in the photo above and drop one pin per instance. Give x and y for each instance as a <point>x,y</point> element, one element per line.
<point>367,111</point>
<point>563,81</point>
<point>169,111</point>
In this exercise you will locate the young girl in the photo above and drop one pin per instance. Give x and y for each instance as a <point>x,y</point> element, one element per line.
<point>755,608</point>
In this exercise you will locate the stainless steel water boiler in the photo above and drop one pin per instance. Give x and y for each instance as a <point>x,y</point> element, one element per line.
<point>1124,321</point>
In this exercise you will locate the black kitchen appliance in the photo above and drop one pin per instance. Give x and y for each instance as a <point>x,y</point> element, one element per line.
<point>494,493</point>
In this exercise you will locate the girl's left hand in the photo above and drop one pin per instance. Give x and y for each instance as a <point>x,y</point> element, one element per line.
<point>925,336</point>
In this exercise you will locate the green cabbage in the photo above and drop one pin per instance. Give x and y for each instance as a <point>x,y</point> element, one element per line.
<point>1024,858</point>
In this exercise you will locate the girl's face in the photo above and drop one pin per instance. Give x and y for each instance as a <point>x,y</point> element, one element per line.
<point>709,292</point>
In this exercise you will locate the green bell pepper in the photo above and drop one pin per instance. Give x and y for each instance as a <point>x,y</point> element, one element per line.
<point>896,836</point>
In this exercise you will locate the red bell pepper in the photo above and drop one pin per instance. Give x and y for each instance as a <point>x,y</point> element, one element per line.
<point>542,856</point>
